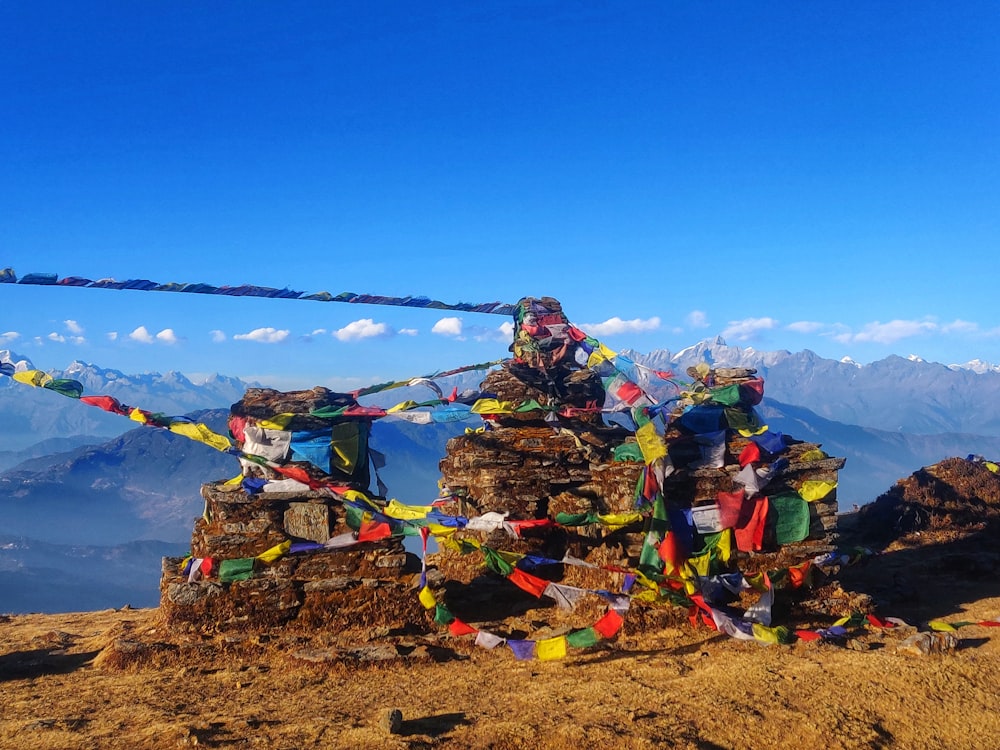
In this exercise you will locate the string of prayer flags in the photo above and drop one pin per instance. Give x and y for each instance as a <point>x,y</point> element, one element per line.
<point>8,276</point>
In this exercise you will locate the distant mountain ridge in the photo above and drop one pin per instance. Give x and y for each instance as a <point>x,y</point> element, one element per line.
<point>86,477</point>
<point>30,415</point>
<point>892,394</point>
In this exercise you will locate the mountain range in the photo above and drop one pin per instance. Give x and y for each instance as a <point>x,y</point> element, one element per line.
<point>74,477</point>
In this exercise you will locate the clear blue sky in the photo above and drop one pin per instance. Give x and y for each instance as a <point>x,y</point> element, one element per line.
<point>790,175</point>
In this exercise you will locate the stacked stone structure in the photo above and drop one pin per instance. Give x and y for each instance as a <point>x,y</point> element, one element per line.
<point>348,589</point>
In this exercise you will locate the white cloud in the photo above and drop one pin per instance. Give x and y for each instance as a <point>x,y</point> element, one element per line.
<point>319,332</point>
<point>73,327</point>
<point>141,335</point>
<point>448,327</point>
<point>167,336</point>
<point>365,328</point>
<point>502,333</point>
<point>615,326</point>
<point>263,335</point>
<point>741,330</point>
<point>6,338</point>
<point>697,319</point>
<point>61,339</point>
<point>888,333</point>
<point>408,331</point>
<point>960,326</point>
<point>805,326</point>
<point>217,336</point>
<point>112,335</point>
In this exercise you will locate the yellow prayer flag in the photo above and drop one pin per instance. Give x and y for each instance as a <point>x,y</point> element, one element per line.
<point>136,415</point>
<point>202,434</point>
<point>765,634</point>
<point>650,443</point>
<point>594,359</point>
<point>427,598</point>
<point>992,467</point>
<point>402,512</point>
<point>941,626</point>
<point>238,479</point>
<point>402,406</point>
<point>815,489</point>
<point>725,545</point>
<point>751,433</point>
<point>551,648</point>
<point>492,406</point>
<point>700,564</point>
<point>36,378</point>
<point>277,422</point>
<point>276,552</point>
<point>615,521</point>
<point>813,454</point>
<point>440,532</point>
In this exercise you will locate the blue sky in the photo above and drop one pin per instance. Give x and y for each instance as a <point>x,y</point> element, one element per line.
<point>789,175</point>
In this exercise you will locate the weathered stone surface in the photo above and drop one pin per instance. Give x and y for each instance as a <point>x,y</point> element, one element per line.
<point>308,521</point>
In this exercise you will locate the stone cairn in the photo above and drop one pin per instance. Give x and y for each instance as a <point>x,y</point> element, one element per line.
<point>554,454</point>
<point>536,464</point>
<point>361,588</point>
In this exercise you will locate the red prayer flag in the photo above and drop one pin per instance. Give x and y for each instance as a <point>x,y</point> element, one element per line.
<point>808,635</point>
<point>750,454</point>
<point>372,532</point>
<point>750,537</point>
<point>297,473</point>
<point>608,625</point>
<point>799,574</point>
<point>670,552</point>
<point>108,403</point>
<point>879,623</point>
<point>456,627</point>
<point>629,392</point>
<point>752,391</point>
<point>532,584</point>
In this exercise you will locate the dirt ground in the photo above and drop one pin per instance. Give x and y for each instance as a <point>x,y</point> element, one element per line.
<point>682,688</point>
<point>120,679</point>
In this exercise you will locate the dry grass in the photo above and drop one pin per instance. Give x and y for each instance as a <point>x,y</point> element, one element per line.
<point>117,679</point>
<point>124,679</point>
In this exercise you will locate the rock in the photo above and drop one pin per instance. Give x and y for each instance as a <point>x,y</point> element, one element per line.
<point>923,644</point>
<point>391,720</point>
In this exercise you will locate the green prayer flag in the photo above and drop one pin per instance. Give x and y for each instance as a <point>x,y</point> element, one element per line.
<point>496,563</point>
<point>239,569</point>
<point>628,452</point>
<point>649,557</point>
<point>738,419</point>
<point>353,516</point>
<point>66,387</point>
<point>582,638</point>
<point>443,615</point>
<point>791,518</point>
<point>727,395</point>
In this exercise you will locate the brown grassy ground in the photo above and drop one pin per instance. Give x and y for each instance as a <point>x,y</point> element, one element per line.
<point>680,688</point>
<point>119,679</point>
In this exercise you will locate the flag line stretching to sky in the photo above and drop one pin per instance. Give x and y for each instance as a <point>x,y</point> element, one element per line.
<point>787,176</point>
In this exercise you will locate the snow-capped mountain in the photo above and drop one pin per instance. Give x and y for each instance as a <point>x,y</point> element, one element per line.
<point>896,393</point>
<point>30,415</point>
